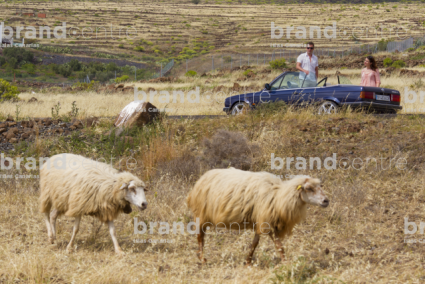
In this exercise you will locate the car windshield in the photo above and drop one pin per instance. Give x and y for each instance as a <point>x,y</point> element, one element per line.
<point>293,80</point>
<point>344,80</point>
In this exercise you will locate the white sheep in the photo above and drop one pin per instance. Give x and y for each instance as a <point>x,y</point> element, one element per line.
<point>75,186</point>
<point>260,201</point>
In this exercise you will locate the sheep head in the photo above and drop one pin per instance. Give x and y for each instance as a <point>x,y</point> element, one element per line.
<point>312,193</point>
<point>135,194</point>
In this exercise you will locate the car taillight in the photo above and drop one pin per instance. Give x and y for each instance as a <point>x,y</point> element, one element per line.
<point>366,95</point>
<point>395,98</point>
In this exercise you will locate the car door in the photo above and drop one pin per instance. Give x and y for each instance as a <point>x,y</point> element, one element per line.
<point>269,95</point>
<point>311,94</point>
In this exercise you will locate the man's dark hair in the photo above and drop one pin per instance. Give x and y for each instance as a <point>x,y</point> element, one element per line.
<point>310,43</point>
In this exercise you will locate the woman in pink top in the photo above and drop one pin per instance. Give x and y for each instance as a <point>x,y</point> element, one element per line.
<point>370,74</point>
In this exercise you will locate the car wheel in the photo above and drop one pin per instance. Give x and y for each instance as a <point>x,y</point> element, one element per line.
<point>240,108</point>
<point>328,107</point>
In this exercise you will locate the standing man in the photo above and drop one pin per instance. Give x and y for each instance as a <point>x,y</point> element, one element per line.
<point>308,64</point>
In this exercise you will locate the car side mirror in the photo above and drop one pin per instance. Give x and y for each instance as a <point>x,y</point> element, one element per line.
<point>267,86</point>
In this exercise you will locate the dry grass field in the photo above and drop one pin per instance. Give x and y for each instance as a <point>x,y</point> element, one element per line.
<point>212,92</point>
<point>377,182</point>
<point>359,238</point>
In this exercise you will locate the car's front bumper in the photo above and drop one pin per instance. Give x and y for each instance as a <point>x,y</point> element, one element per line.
<point>374,105</point>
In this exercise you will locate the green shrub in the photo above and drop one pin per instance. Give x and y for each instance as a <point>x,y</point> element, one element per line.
<point>410,49</point>
<point>278,63</point>
<point>387,62</point>
<point>122,79</point>
<point>75,65</point>
<point>196,1</point>
<point>191,73</point>
<point>227,59</point>
<point>398,64</point>
<point>8,92</point>
<point>29,67</point>
<point>382,44</point>
<point>2,60</point>
<point>247,72</point>
<point>121,46</point>
<point>139,48</point>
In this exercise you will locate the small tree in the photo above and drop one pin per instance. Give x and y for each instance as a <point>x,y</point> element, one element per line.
<point>196,1</point>
<point>7,91</point>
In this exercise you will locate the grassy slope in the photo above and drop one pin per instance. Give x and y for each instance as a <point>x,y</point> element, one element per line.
<point>362,230</point>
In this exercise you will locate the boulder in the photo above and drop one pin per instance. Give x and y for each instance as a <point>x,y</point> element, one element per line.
<point>136,113</point>
<point>10,118</point>
<point>32,100</point>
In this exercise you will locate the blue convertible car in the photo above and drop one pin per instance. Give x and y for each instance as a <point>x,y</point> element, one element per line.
<point>288,87</point>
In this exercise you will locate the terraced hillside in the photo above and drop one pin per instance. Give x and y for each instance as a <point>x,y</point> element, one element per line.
<point>146,31</point>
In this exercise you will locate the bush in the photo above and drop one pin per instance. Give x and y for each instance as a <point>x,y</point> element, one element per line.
<point>248,73</point>
<point>278,63</point>
<point>7,91</point>
<point>29,67</point>
<point>410,49</point>
<point>398,64</point>
<point>75,65</point>
<point>122,79</point>
<point>2,60</point>
<point>196,1</point>
<point>191,73</point>
<point>229,149</point>
<point>382,44</point>
<point>19,54</point>
<point>387,62</point>
<point>139,48</point>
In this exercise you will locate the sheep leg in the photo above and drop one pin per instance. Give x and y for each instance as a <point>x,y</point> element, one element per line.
<point>200,253</point>
<point>53,216</point>
<point>253,247</point>
<point>278,244</point>
<point>118,250</point>
<point>70,246</point>
<point>49,228</point>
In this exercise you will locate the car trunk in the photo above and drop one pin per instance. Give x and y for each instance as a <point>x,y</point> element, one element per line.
<point>381,95</point>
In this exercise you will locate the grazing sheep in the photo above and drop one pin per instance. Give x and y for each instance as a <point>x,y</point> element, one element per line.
<point>231,198</point>
<point>75,186</point>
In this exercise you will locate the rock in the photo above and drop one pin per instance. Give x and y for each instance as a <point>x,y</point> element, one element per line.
<point>10,135</point>
<point>78,124</point>
<point>32,100</point>
<point>136,113</point>
<point>150,89</point>
<point>119,86</point>
<point>26,135</point>
<point>72,127</point>
<point>2,130</point>
<point>10,124</point>
<point>13,140</point>
<point>91,121</point>
<point>9,118</point>
<point>4,125</point>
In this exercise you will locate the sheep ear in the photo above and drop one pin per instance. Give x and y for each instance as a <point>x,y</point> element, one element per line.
<point>131,185</point>
<point>123,186</point>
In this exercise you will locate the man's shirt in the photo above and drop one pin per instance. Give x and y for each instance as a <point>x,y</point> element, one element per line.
<point>306,64</point>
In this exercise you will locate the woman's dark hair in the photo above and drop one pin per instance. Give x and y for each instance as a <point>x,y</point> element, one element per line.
<point>372,62</point>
